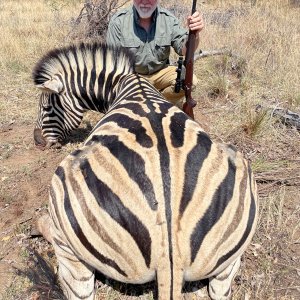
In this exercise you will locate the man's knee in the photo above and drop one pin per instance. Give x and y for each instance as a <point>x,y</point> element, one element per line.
<point>165,81</point>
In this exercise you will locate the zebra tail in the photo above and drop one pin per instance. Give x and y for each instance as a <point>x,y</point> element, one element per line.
<point>169,280</point>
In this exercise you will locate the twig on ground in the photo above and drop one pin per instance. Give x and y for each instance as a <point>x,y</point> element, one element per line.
<point>26,220</point>
<point>286,116</point>
<point>203,53</point>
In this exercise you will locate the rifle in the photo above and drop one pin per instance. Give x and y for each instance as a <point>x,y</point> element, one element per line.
<point>190,103</point>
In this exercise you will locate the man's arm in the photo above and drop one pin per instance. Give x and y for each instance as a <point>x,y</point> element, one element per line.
<point>113,35</point>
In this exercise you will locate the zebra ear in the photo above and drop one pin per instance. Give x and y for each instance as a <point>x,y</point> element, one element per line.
<point>53,86</point>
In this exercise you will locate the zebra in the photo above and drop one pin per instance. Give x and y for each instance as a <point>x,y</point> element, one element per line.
<point>149,195</point>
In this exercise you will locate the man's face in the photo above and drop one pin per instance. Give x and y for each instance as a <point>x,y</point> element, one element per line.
<point>145,8</point>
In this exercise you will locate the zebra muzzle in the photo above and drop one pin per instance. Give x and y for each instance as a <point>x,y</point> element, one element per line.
<point>42,143</point>
<point>39,141</point>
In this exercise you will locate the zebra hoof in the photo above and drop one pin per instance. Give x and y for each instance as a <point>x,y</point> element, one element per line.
<point>43,227</point>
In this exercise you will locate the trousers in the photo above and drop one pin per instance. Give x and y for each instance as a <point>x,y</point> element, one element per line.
<point>164,81</point>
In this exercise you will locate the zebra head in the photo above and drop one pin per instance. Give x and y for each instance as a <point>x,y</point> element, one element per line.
<point>75,79</point>
<point>55,120</point>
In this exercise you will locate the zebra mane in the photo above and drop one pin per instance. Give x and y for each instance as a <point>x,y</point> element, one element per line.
<point>52,63</point>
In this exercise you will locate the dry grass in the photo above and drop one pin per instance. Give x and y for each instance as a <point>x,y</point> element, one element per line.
<point>265,38</point>
<point>28,29</point>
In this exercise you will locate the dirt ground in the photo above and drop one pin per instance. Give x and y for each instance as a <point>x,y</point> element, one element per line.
<point>25,174</point>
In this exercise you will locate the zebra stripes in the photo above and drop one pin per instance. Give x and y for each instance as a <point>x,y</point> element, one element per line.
<point>74,80</point>
<point>149,195</point>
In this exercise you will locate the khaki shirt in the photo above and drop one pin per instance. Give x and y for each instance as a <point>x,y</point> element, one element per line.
<point>151,49</point>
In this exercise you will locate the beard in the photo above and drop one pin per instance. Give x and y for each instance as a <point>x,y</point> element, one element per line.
<point>145,11</point>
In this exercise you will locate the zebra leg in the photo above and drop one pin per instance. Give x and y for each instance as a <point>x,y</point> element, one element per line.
<point>76,277</point>
<point>220,284</point>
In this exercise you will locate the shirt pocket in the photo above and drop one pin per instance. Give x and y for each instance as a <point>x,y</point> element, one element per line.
<point>162,48</point>
<point>131,45</point>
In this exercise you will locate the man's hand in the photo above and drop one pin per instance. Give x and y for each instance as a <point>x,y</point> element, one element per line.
<point>195,22</point>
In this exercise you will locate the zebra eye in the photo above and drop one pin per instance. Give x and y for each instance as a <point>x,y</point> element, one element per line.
<point>46,104</point>
<point>47,101</point>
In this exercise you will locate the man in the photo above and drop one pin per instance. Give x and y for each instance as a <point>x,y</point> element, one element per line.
<point>149,31</point>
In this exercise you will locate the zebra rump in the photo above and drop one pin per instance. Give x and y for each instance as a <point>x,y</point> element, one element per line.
<point>149,195</point>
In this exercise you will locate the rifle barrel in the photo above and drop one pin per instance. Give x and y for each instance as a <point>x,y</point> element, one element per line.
<point>194,6</point>
<point>189,65</point>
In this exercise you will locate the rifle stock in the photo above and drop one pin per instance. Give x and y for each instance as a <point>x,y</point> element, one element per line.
<point>190,103</point>
<point>188,109</point>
